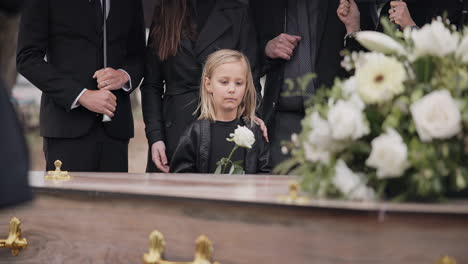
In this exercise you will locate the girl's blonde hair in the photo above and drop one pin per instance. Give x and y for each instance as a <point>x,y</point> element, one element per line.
<point>246,109</point>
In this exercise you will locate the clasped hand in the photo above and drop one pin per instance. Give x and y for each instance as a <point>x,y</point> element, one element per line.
<point>103,101</point>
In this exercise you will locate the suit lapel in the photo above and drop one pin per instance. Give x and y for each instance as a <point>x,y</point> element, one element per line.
<point>216,24</point>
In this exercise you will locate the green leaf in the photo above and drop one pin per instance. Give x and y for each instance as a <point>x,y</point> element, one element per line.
<point>236,169</point>
<point>218,168</point>
<point>424,69</point>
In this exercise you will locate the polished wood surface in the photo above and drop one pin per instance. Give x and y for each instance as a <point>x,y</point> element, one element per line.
<point>263,189</point>
<point>106,218</point>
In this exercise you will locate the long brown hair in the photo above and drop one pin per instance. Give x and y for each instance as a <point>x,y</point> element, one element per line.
<point>171,22</point>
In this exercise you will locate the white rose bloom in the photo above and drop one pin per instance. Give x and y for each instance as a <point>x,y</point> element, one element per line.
<point>347,121</point>
<point>389,155</point>
<point>379,42</point>
<point>436,116</point>
<point>350,91</point>
<point>351,184</point>
<point>319,144</point>
<point>314,154</point>
<point>243,137</point>
<point>380,78</point>
<point>462,50</point>
<point>434,39</point>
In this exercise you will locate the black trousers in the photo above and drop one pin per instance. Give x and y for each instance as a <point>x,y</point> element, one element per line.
<point>94,152</point>
<point>284,125</point>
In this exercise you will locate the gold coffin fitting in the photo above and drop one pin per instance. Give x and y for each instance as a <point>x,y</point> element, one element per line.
<point>58,174</point>
<point>203,250</point>
<point>446,260</point>
<point>14,241</point>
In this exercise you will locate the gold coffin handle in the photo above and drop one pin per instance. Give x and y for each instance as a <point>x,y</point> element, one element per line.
<point>446,260</point>
<point>58,174</point>
<point>203,250</point>
<point>14,241</point>
<point>293,197</point>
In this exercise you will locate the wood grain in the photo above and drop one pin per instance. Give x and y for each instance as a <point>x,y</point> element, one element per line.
<point>96,227</point>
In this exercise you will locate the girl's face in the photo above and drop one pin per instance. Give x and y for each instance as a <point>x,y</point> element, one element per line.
<point>227,85</point>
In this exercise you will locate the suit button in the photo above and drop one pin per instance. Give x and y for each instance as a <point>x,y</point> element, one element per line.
<point>168,124</point>
<point>274,104</point>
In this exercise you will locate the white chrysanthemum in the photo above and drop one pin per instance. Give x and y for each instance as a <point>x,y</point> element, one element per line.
<point>351,184</point>
<point>434,39</point>
<point>380,78</point>
<point>243,137</point>
<point>436,116</point>
<point>389,155</point>
<point>347,121</point>
<point>379,42</point>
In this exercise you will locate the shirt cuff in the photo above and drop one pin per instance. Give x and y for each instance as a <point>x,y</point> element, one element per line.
<point>128,86</point>
<point>75,103</point>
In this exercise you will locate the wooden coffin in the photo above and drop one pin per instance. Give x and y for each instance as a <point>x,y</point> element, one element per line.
<point>107,218</point>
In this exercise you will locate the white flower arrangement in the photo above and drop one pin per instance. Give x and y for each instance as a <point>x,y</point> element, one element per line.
<point>396,128</point>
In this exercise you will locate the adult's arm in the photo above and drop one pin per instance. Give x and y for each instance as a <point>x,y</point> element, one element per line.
<point>263,161</point>
<point>32,46</point>
<point>134,62</point>
<point>11,6</point>
<point>152,91</point>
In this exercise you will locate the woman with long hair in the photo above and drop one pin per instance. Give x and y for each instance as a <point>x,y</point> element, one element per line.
<point>183,34</point>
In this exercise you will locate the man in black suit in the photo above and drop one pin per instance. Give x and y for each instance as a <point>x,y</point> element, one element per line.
<point>305,36</point>
<point>60,50</point>
<point>14,162</point>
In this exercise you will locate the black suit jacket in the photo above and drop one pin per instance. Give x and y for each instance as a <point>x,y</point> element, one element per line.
<point>170,89</point>
<point>193,151</point>
<point>67,33</point>
<point>329,44</point>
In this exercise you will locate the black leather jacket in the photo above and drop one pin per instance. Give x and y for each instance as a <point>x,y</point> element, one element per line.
<point>192,155</point>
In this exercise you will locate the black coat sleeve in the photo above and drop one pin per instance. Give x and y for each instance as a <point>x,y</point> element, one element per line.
<point>263,159</point>
<point>32,46</point>
<point>184,159</point>
<point>134,62</point>
<point>11,6</point>
<point>152,91</point>
<point>248,46</point>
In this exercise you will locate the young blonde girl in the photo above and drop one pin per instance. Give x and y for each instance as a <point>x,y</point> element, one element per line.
<point>227,100</point>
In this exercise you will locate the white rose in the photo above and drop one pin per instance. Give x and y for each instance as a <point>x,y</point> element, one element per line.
<point>462,50</point>
<point>350,91</point>
<point>380,78</point>
<point>243,137</point>
<point>319,142</point>
<point>347,121</point>
<point>434,39</point>
<point>379,42</point>
<point>314,154</point>
<point>436,115</point>
<point>389,155</point>
<point>351,184</point>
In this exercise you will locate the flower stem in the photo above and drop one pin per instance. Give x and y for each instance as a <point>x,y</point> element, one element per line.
<point>229,159</point>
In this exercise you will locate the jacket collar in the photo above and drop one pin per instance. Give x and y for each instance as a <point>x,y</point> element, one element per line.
<point>217,23</point>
